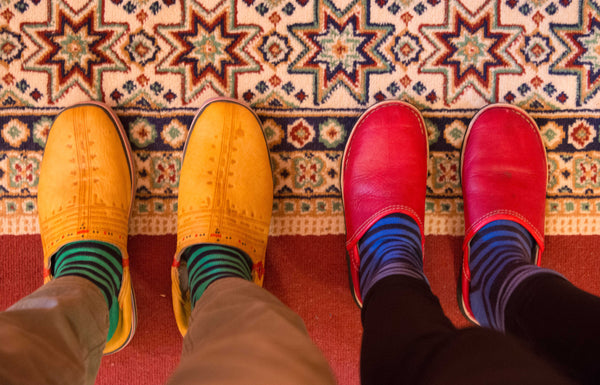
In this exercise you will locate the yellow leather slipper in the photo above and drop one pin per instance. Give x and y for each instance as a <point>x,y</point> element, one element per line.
<point>225,191</point>
<point>85,192</point>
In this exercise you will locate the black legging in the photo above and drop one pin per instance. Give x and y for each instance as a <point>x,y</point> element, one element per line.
<point>408,340</point>
<point>560,323</point>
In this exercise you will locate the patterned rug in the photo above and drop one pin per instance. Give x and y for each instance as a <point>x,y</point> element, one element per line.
<point>309,68</point>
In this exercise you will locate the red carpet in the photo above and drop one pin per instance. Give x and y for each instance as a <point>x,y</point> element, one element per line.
<point>306,273</point>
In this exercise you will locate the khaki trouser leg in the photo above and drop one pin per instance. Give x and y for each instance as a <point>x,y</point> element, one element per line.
<point>241,334</point>
<point>55,335</point>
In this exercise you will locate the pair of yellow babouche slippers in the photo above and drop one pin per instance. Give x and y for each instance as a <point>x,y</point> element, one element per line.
<point>87,186</point>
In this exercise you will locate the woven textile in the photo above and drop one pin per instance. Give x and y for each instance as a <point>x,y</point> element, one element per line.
<point>309,68</point>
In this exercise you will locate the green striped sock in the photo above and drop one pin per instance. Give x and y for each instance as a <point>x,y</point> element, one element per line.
<point>98,262</point>
<point>206,263</point>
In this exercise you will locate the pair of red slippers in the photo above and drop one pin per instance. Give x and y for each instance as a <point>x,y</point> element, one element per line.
<point>384,171</point>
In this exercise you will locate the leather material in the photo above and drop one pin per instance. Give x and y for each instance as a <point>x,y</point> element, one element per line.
<point>384,171</point>
<point>225,191</point>
<point>504,176</point>
<point>86,191</point>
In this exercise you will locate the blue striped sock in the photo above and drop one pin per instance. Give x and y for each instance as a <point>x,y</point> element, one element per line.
<point>207,263</point>
<point>98,262</point>
<point>391,246</point>
<point>502,256</point>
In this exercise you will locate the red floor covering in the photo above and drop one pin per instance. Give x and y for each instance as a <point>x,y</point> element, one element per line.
<point>307,273</point>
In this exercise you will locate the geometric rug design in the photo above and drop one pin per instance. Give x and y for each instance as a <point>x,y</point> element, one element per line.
<point>309,68</point>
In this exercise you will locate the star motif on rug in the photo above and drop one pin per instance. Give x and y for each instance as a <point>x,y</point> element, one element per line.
<point>341,49</point>
<point>75,51</point>
<point>471,51</point>
<point>582,44</point>
<point>209,53</point>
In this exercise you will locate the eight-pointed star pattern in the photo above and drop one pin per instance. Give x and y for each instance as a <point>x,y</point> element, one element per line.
<point>75,50</point>
<point>581,56</point>
<point>471,51</point>
<point>208,52</point>
<point>341,49</point>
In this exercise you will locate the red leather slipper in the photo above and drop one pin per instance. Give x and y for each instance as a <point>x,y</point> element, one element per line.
<point>504,176</point>
<point>384,171</point>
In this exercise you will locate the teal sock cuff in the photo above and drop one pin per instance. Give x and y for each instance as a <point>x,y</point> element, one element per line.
<point>100,263</point>
<point>207,263</point>
<point>113,319</point>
